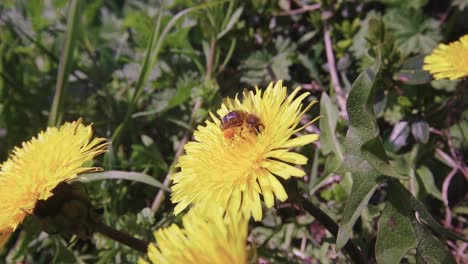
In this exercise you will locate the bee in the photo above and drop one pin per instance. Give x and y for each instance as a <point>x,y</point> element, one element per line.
<point>236,120</point>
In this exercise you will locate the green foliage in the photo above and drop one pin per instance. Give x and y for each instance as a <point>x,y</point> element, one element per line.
<point>413,31</point>
<point>264,65</point>
<point>364,155</point>
<point>402,228</point>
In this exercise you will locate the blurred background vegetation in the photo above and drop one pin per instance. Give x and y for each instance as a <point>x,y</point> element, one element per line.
<point>147,72</point>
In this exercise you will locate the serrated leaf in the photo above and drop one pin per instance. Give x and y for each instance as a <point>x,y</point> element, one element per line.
<point>362,128</point>
<point>420,131</point>
<point>425,218</point>
<point>261,66</point>
<point>413,32</point>
<point>365,157</point>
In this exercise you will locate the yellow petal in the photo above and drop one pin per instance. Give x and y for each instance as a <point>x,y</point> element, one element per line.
<point>277,188</point>
<point>282,169</point>
<point>266,189</point>
<point>300,141</point>
<point>291,157</point>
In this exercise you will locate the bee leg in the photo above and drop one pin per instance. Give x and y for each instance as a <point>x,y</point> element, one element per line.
<point>259,128</point>
<point>240,132</point>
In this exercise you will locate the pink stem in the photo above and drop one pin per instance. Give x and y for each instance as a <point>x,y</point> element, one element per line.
<point>445,186</point>
<point>340,96</point>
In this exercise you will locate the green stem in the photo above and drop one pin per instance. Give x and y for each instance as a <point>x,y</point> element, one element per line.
<point>121,237</point>
<point>350,248</point>
<point>66,60</point>
<point>152,51</point>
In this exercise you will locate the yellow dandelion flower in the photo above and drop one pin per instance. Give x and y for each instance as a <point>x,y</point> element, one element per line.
<point>449,61</point>
<point>208,237</point>
<point>39,165</point>
<point>234,172</point>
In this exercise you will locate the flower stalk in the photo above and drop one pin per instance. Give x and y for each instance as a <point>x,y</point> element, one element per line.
<point>121,237</point>
<point>350,248</point>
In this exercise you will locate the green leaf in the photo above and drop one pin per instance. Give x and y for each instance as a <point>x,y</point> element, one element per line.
<point>362,128</point>
<point>426,180</point>
<point>365,157</point>
<point>420,131</point>
<point>403,227</point>
<point>374,152</point>
<point>430,249</point>
<point>234,18</point>
<point>329,112</point>
<point>139,22</point>
<point>331,165</point>
<point>396,234</point>
<point>364,185</point>
<point>411,72</point>
<point>184,89</point>
<point>399,135</point>
<point>459,132</point>
<point>413,32</point>
<point>124,175</point>
<point>426,219</point>
<point>262,66</point>
<point>359,47</point>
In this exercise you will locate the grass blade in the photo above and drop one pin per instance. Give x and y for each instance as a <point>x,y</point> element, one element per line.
<point>66,61</point>
<point>152,52</point>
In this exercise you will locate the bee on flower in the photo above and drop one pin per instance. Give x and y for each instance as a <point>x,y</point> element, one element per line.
<point>236,159</point>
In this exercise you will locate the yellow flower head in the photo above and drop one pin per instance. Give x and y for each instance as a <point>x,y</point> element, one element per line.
<point>209,237</point>
<point>35,169</point>
<point>234,172</point>
<point>449,61</point>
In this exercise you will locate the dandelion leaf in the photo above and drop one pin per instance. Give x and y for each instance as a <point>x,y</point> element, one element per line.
<point>364,156</point>
<point>404,226</point>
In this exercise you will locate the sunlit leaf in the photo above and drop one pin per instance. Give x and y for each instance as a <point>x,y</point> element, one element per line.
<point>124,175</point>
